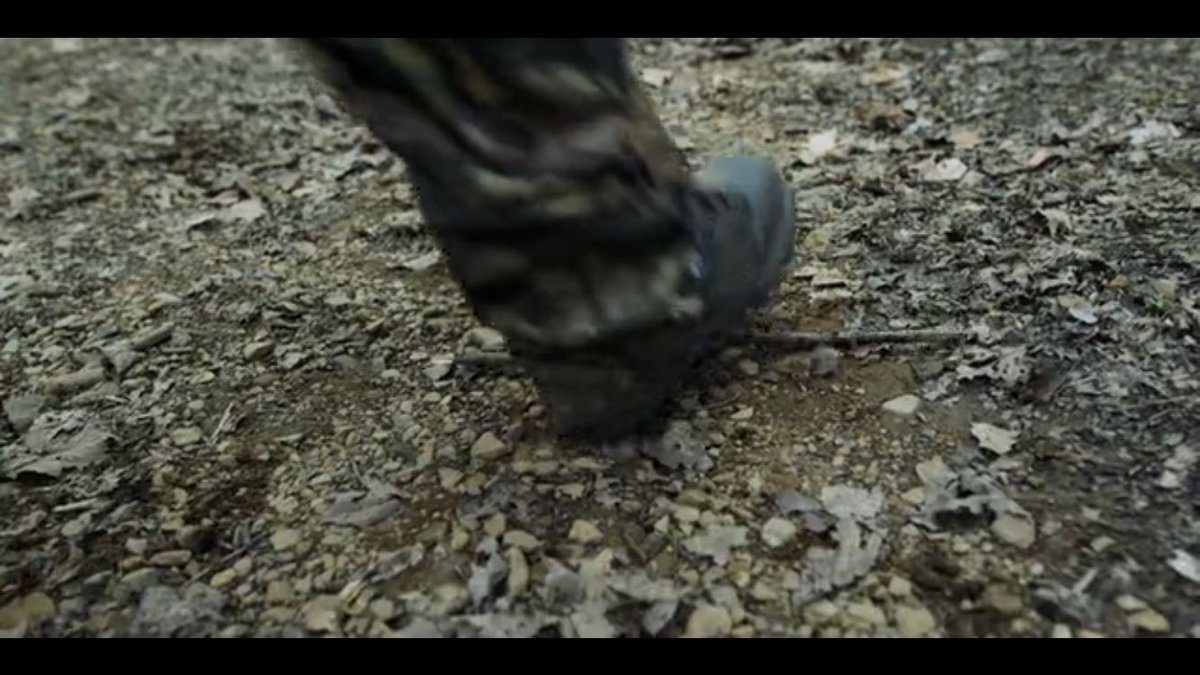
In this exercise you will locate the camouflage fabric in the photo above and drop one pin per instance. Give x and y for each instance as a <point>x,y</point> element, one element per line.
<point>559,200</point>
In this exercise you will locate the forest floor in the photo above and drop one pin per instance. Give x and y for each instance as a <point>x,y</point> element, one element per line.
<point>230,407</point>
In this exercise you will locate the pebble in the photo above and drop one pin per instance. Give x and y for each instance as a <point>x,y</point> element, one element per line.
<point>321,614</point>
<point>585,532</point>
<point>748,367</point>
<point>904,405</point>
<point>223,578</point>
<point>1014,530</point>
<point>1099,544</point>
<point>521,539</point>
<point>186,436</point>
<point>1002,599</point>
<point>1149,621</point>
<point>915,496</point>
<point>915,621</point>
<point>900,587</point>
<point>1131,603</point>
<point>382,609</point>
<point>777,532</point>
<point>823,361</point>
<point>279,592</point>
<point>175,558</point>
<point>23,410</point>
<point>1060,630</point>
<point>744,413</point>
<point>284,539</point>
<point>439,369</point>
<point>494,526</point>
<point>459,539</point>
<point>488,447</point>
<point>18,615</point>
<point>866,612</point>
<point>256,351</point>
<point>708,621</point>
<point>686,514</point>
<point>487,339</point>
<point>518,572</point>
<point>820,612</point>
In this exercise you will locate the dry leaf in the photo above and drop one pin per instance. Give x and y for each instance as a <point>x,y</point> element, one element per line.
<point>999,441</point>
<point>965,139</point>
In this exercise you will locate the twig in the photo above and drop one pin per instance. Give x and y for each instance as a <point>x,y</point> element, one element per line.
<point>851,338</point>
<point>211,567</point>
<point>212,440</point>
<point>801,340</point>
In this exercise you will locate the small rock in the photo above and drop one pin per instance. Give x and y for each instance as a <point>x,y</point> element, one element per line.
<point>175,558</point>
<point>899,587</point>
<point>521,539</point>
<point>487,339</point>
<point>166,611</point>
<point>999,441</point>
<point>19,614</point>
<point>141,579</point>
<point>257,351</point>
<point>1002,599</point>
<point>382,609</point>
<point>494,526</point>
<point>686,514</point>
<point>418,628</point>
<point>824,361</point>
<point>279,592</point>
<point>1131,603</point>
<point>1100,544</point>
<point>1060,630</point>
<point>914,622</point>
<point>564,585</point>
<point>321,614</point>
<point>744,413</point>
<point>778,532</point>
<point>489,447</point>
<point>284,539</point>
<point>1150,621</point>
<point>23,410</point>
<point>866,612</point>
<point>659,615</point>
<point>223,578</point>
<point>708,621</point>
<point>186,436</point>
<point>1013,529</point>
<point>820,612</point>
<point>904,405</point>
<point>518,572</point>
<point>585,533</point>
<point>748,367</point>
<point>439,368</point>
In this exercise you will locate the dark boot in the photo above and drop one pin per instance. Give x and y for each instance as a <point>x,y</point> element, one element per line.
<point>742,215</point>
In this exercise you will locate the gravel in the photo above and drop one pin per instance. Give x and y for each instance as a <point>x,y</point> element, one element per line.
<point>231,403</point>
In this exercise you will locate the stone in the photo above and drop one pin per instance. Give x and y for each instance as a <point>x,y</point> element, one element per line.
<point>518,572</point>
<point>899,587</point>
<point>522,540</point>
<point>489,447</point>
<point>175,558</point>
<point>1003,599</point>
<point>1149,621</point>
<point>487,339</point>
<point>1131,603</point>
<point>23,410</point>
<point>778,532</point>
<point>494,525</point>
<point>279,592</point>
<point>820,612</point>
<point>866,612</point>
<point>1015,530</point>
<point>914,621</point>
<point>382,609</point>
<point>257,351</point>
<point>284,539</point>
<point>186,436</point>
<point>223,578</point>
<point>1060,630</point>
<point>686,514</point>
<point>585,532</point>
<point>905,405</point>
<point>708,621</point>
<point>322,614</point>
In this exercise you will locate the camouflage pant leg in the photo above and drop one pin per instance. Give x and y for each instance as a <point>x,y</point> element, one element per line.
<point>554,191</point>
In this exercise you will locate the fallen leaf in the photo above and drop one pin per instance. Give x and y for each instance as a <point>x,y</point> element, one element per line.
<point>965,139</point>
<point>946,171</point>
<point>1185,564</point>
<point>999,441</point>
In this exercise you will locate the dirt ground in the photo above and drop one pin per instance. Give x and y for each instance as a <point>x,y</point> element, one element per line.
<point>231,405</point>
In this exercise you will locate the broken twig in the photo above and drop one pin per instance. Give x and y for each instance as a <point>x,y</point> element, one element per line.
<point>801,340</point>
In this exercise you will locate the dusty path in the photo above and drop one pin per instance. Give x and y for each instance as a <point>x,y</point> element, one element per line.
<point>258,433</point>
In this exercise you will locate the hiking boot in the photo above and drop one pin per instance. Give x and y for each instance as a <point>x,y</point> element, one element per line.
<point>742,217</point>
